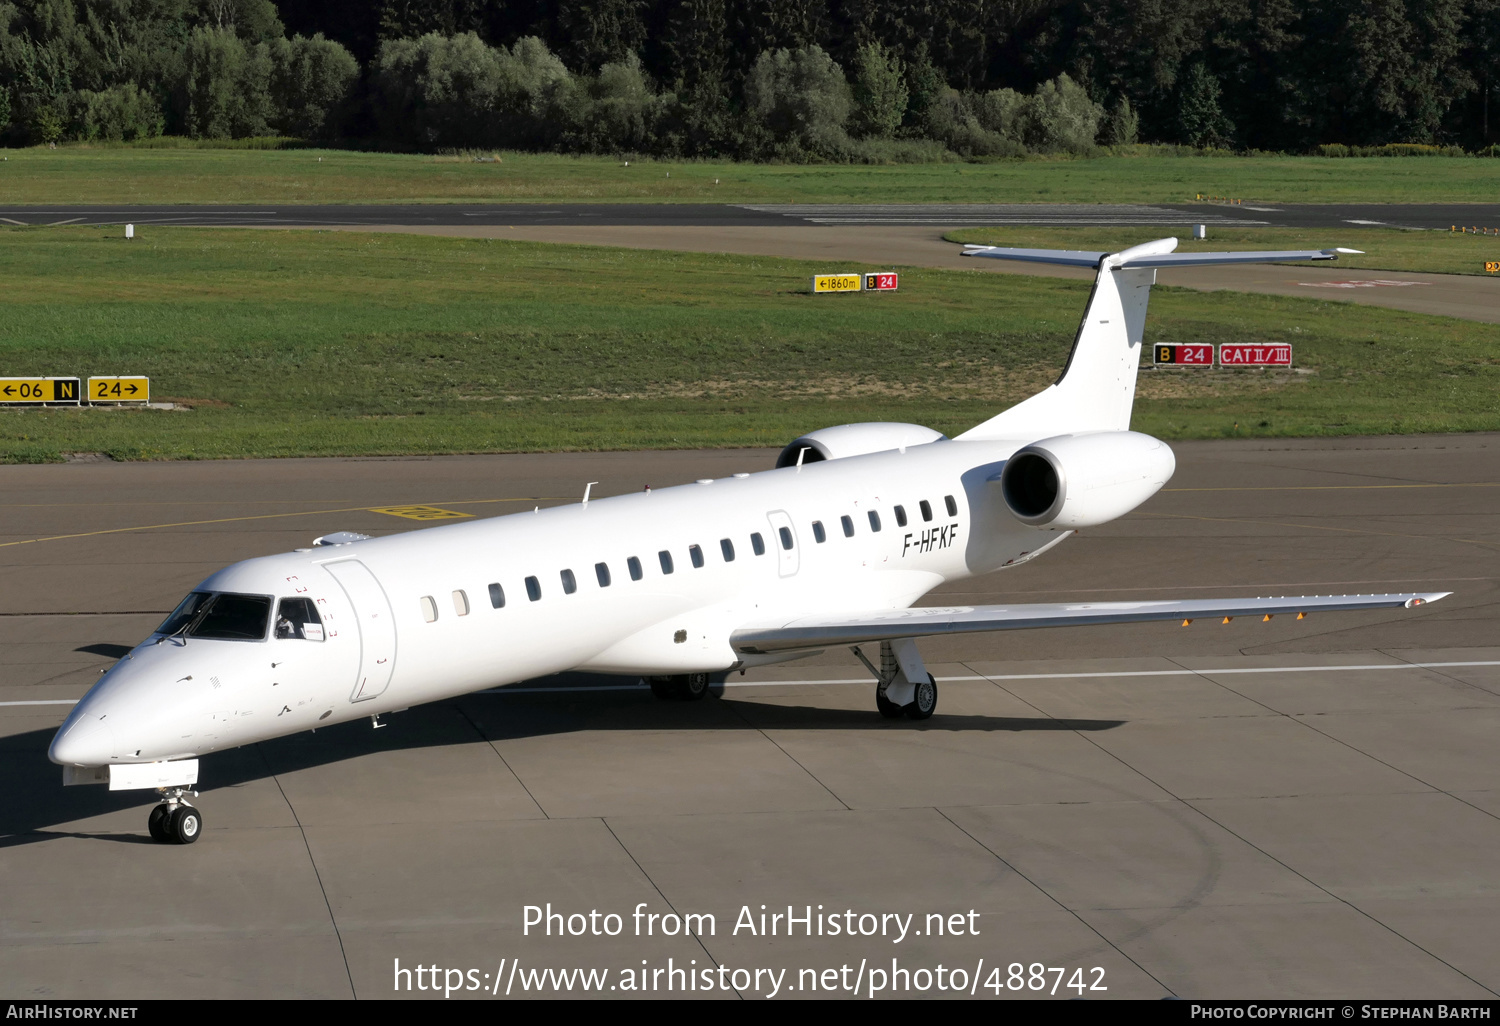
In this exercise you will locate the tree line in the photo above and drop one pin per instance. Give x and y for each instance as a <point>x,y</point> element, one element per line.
<point>756,79</point>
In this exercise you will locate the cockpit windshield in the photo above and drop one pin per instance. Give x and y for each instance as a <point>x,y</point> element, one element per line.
<point>220,616</point>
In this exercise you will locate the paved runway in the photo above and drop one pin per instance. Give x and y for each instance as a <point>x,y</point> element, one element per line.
<point>1439,216</point>
<point>1292,809</point>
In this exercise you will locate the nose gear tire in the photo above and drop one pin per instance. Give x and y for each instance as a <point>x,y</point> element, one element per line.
<point>157,823</point>
<point>681,687</point>
<point>185,825</point>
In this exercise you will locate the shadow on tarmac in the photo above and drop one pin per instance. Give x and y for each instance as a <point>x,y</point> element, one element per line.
<point>36,799</point>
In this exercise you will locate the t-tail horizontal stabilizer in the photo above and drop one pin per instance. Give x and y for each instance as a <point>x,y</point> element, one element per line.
<point>1097,388</point>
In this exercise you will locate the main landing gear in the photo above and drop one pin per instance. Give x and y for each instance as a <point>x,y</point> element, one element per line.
<point>903,687</point>
<point>680,687</point>
<point>174,821</point>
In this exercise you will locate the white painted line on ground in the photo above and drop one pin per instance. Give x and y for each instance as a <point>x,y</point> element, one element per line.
<point>969,677</point>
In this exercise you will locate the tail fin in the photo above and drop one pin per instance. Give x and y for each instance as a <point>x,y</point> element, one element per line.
<point>1097,388</point>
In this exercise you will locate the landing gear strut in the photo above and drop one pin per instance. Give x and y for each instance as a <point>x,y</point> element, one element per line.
<point>174,821</point>
<point>903,687</point>
<point>681,687</point>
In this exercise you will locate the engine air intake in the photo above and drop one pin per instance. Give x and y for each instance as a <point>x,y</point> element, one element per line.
<point>1031,487</point>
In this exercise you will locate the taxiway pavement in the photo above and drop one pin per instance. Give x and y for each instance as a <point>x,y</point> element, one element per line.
<point>1284,809</point>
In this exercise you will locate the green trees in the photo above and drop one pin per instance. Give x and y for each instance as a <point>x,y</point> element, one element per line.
<point>311,82</point>
<point>879,92</point>
<point>982,78</point>
<point>224,91</point>
<point>802,99</point>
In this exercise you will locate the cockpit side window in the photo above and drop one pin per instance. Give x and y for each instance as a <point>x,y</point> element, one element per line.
<point>183,615</point>
<point>233,618</point>
<point>298,618</point>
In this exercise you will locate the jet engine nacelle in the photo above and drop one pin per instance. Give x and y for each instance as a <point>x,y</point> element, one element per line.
<point>1084,480</point>
<point>836,443</point>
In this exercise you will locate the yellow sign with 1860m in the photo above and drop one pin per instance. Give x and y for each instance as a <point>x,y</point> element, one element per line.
<point>850,282</point>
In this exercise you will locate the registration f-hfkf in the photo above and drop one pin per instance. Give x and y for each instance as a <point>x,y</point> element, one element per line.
<point>831,548</point>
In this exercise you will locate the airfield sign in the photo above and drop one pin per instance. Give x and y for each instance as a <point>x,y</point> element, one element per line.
<point>39,390</point>
<point>1183,356</point>
<point>1248,355</point>
<point>132,389</point>
<point>849,282</point>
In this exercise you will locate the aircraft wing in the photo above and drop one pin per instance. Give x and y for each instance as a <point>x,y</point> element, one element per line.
<point>1155,254</point>
<point>816,632</point>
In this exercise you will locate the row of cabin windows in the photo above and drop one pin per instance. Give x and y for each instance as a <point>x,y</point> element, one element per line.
<point>664,557</point>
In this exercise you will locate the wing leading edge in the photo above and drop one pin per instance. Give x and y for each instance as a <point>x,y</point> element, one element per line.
<point>811,632</point>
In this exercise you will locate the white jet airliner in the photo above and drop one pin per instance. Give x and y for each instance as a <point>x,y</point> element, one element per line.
<point>830,548</point>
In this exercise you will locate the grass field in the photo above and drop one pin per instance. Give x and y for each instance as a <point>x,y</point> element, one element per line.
<point>1385,249</point>
<point>293,343</point>
<point>81,174</point>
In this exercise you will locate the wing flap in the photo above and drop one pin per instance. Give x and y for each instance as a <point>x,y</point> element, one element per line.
<point>812,632</point>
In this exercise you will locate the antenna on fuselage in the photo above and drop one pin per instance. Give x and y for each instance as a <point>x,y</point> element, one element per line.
<point>801,453</point>
<point>586,489</point>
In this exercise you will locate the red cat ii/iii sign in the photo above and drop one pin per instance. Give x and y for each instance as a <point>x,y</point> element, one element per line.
<point>1246,355</point>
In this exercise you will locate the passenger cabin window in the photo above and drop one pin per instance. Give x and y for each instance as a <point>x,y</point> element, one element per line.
<point>926,508</point>
<point>461,603</point>
<point>696,555</point>
<point>569,582</point>
<point>634,565</point>
<point>819,535</point>
<point>900,516</point>
<point>429,608</point>
<point>848,526</point>
<point>786,536</point>
<point>533,588</point>
<point>758,544</point>
<point>952,506</point>
<point>601,571</point>
<point>874,520</point>
<point>666,561</point>
<point>298,618</point>
<point>726,547</point>
<point>497,596</point>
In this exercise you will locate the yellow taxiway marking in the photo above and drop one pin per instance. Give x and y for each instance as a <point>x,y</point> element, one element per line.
<point>420,512</point>
<point>260,516</point>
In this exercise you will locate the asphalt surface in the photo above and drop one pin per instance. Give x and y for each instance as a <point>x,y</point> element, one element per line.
<point>1416,216</point>
<point>1284,809</point>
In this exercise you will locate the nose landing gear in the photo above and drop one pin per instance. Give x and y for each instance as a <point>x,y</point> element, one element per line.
<point>683,687</point>
<point>174,821</point>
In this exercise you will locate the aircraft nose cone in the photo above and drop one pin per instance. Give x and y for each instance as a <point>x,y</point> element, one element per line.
<point>86,741</point>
